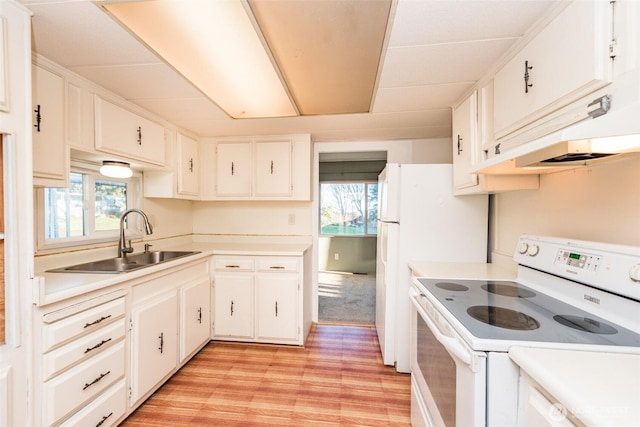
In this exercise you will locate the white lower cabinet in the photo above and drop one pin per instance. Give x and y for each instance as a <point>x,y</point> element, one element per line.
<point>258,299</point>
<point>154,343</point>
<point>195,317</point>
<point>169,323</point>
<point>81,360</point>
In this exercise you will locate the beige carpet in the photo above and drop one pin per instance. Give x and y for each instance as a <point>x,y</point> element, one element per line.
<point>346,298</point>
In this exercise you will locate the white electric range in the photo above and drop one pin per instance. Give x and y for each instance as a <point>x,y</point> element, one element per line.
<point>567,295</point>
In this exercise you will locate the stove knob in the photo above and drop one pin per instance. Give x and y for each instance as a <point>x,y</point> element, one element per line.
<point>523,248</point>
<point>533,250</point>
<point>634,273</point>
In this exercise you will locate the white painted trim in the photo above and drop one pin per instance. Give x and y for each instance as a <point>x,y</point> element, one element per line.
<point>5,393</point>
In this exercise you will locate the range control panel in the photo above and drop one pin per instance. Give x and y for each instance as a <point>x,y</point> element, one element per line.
<point>578,260</point>
<point>609,267</point>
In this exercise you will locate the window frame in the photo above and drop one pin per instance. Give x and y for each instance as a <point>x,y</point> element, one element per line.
<point>94,237</point>
<point>365,213</point>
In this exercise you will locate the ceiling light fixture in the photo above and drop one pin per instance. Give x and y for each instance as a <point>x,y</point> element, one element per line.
<point>216,46</point>
<point>115,169</point>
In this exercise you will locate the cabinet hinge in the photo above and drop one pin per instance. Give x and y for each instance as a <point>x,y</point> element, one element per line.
<point>130,325</point>
<point>130,393</point>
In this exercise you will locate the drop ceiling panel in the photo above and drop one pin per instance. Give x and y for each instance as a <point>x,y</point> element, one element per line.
<point>327,51</point>
<point>79,33</point>
<point>455,62</point>
<point>436,21</point>
<point>140,81</point>
<point>412,98</point>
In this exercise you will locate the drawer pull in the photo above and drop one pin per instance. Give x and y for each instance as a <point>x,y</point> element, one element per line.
<point>276,308</point>
<point>161,348</point>
<point>231,266</point>
<point>276,267</point>
<point>100,344</point>
<point>104,419</point>
<point>232,307</point>
<point>87,385</point>
<point>199,314</point>
<point>95,322</point>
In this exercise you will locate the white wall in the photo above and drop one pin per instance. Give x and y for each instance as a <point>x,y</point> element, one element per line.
<point>438,150</point>
<point>599,203</point>
<point>169,217</point>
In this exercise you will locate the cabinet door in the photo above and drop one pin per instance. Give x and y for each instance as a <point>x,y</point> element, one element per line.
<point>233,169</point>
<point>124,133</point>
<point>464,143</point>
<point>194,317</point>
<point>188,166</point>
<point>277,306</point>
<point>154,348</point>
<point>566,61</point>
<point>233,306</point>
<point>50,162</point>
<point>273,168</point>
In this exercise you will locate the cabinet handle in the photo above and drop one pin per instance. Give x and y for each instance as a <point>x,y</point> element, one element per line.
<point>139,135</point>
<point>232,168</point>
<point>200,315</point>
<point>276,308</point>
<point>104,418</point>
<point>95,322</point>
<point>87,385</point>
<point>497,149</point>
<point>100,344</point>
<point>38,118</point>
<point>271,167</point>
<point>231,266</point>
<point>161,348</point>
<point>191,164</point>
<point>232,307</point>
<point>459,144</point>
<point>276,267</point>
<point>527,85</point>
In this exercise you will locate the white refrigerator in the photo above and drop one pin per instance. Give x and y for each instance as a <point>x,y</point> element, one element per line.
<point>419,219</point>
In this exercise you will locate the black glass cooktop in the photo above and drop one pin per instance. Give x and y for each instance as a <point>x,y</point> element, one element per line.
<point>507,310</point>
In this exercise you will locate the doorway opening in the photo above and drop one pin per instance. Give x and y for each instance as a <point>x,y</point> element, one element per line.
<point>348,206</point>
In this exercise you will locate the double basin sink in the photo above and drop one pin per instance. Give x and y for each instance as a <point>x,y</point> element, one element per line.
<point>125,264</point>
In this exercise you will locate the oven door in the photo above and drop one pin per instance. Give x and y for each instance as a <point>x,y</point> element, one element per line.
<point>448,378</point>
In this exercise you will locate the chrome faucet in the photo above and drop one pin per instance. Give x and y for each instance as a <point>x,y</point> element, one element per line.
<point>123,248</point>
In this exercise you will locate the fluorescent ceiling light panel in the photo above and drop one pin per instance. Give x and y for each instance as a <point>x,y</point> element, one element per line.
<point>214,45</point>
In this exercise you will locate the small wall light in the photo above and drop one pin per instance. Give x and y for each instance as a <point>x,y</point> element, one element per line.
<point>114,169</point>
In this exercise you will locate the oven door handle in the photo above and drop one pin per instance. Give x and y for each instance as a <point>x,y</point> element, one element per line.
<point>451,344</point>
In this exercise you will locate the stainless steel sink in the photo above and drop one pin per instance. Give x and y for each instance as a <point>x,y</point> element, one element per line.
<point>124,264</point>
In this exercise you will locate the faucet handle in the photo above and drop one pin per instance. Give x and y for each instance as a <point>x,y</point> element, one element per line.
<point>146,247</point>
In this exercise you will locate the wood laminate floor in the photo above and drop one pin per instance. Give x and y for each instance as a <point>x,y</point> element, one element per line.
<point>338,379</point>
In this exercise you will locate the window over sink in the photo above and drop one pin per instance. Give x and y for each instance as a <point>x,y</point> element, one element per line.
<point>88,211</point>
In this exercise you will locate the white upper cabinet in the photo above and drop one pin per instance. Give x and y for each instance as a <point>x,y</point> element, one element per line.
<point>121,132</point>
<point>273,168</point>
<point>257,168</point>
<point>188,166</point>
<point>464,142</point>
<point>233,168</point>
<point>566,61</point>
<point>50,152</point>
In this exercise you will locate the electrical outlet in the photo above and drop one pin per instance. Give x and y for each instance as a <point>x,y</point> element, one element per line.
<point>292,219</point>
<point>336,256</point>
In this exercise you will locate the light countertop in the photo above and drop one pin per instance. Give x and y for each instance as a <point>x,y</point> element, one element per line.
<point>600,389</point>
<point>461,270</point>
<point>54,287</point>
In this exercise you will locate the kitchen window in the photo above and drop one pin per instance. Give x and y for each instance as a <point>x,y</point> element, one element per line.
<point>87,211</point>
<point>349,208</point>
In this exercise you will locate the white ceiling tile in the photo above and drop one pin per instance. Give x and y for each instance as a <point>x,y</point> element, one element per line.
<point>183,108</point>
<point>435,21</point>
<point>456,62</point>
<point>412,98</point>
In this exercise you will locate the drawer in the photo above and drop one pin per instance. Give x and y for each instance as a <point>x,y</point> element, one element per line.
<point>277,264</point>
<point>73,388</point>
<point>82,348</point>
<point>104,411</point>
<point>59,332</point>
<point>233,264</point>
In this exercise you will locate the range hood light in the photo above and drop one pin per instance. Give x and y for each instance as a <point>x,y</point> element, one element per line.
<point>114,169</point>
<point>616,144</point>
